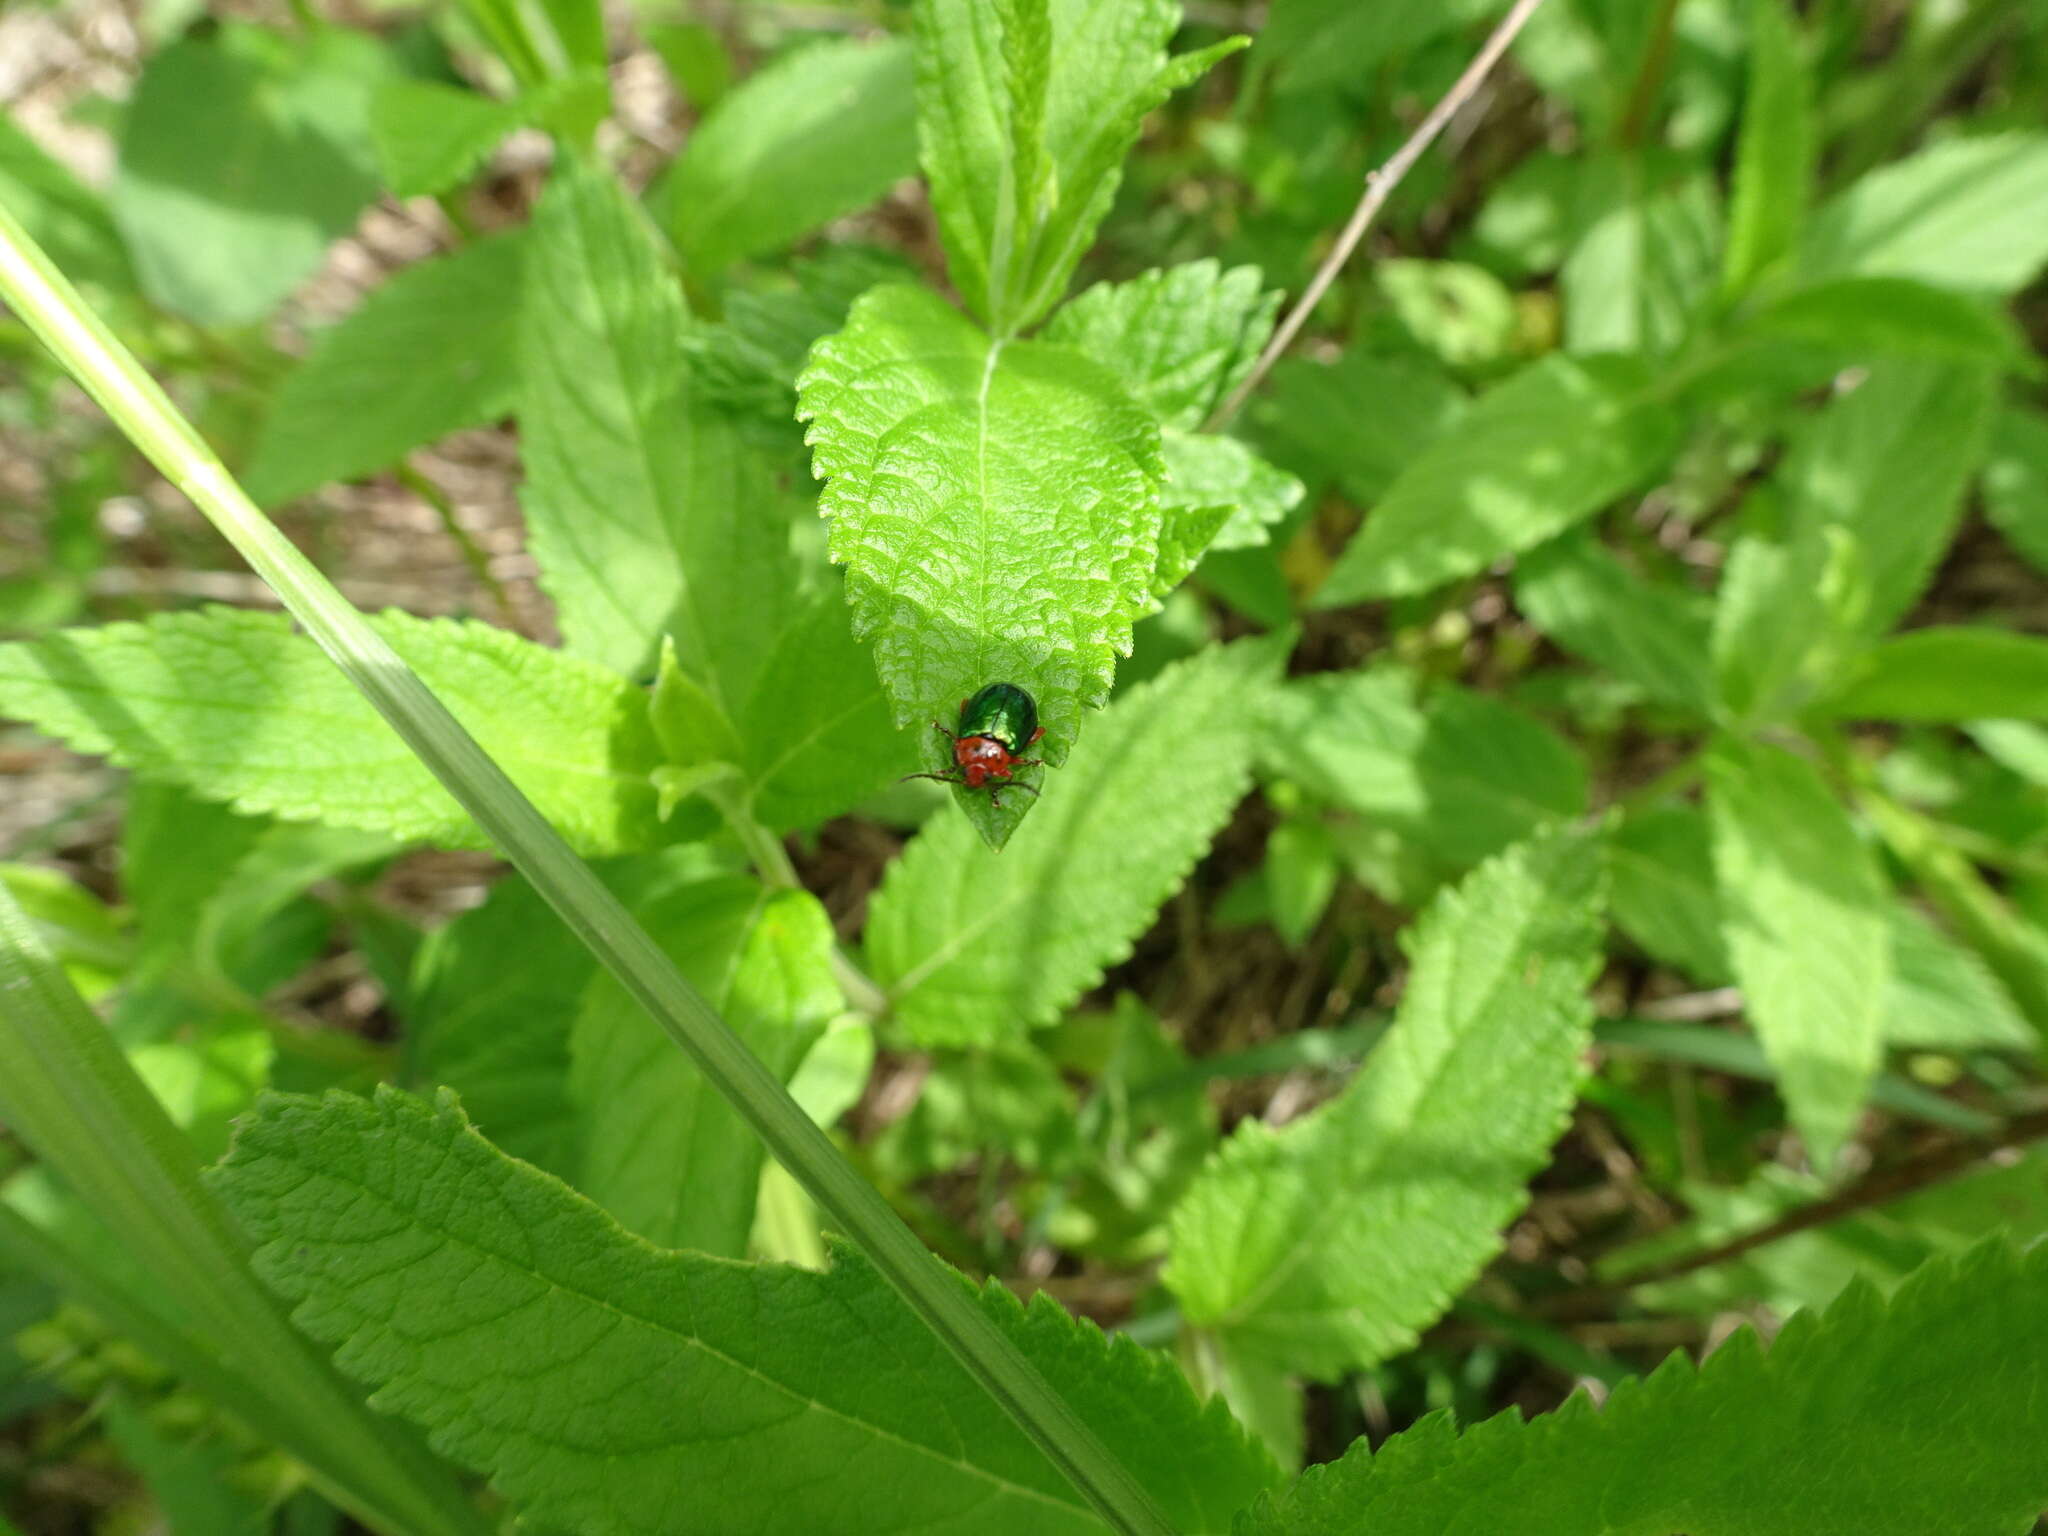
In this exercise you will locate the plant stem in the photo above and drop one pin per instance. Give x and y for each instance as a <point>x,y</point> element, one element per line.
<point>473,555</point>
<point>108,372</point>
<point>1379,186</point>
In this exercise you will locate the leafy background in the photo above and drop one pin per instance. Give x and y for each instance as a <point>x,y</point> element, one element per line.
<point>1562,873</point>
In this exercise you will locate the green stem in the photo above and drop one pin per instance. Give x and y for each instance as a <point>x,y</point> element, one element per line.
<point>108,372</point>
<point>75,1100</point>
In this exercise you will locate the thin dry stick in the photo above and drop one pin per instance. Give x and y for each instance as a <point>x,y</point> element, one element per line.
<point>1379,185</point>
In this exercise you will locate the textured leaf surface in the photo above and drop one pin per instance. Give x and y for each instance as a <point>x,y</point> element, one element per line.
<point>1208,472</point>
<point>1461,773</point>
<point>974,948</point>
<point>1180,337</point>
<point>1326,1245</point>
<point>648,513</point>
<point>1964,672</point>
<point>1655,634</point>
<point>1960,214</point>
<point>429,352</point>
<point>996,506</point>
<point>1831,1430</point>
<point>661,1149</point>
<point>1025,113</point>
<point>242,157</point>
<point>236,707</point>
<point>610,1388</point>
<point>817,133</point>
<point>1531,457</point>
<point>1805,912</point>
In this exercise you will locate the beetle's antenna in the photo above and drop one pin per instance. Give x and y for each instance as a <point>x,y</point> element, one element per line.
<point>943,778</point>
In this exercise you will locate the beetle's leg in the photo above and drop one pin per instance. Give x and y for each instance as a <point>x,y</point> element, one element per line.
<point>1027,762</point>
<point>1035,735</point>
<point>944,732</point>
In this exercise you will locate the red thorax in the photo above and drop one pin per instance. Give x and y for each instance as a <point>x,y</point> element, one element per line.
<point>981,758</point>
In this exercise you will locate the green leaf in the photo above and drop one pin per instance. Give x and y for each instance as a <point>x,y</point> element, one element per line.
<point>1025,112</point>
<point>1326,1246</point>
<point>492,997</point>
<point>816,731</point>
<point>1944,997</point>
<point>67,218</point>
<point>1654,633</point>
<point>661,1150</point>
<point>751,358</point>
<point>1948,674</point>
<point>1319,43</point>
<point>242,157</point>
<point>1834,1418</point>
<point>1660,868</point>
<point>1640,277</point>
<point>1460,313</point>
<point>1894,317</point>
<point>819,132</point>
<point>1774,153</point>
<point>190,1476</point>
<point>1180,338</point>
<point>1805,912</point>
<point>648,513</point>
<point>235,707</point>
<point>974,948</point>
<point>2016,483</point>
<point>1210,472</point>
<point>429,352</point>
<point>1531,457</point>
<point>1301,875</point>
<point>996,506</point>
<point>431,136</point>
<point>606,1387</point>
<point>1458,772</point>
<point>1358,421</point>
<point>1959,214</point>
<point>1783,620</point>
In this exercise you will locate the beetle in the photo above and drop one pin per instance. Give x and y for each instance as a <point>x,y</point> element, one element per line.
<point>996,725</point>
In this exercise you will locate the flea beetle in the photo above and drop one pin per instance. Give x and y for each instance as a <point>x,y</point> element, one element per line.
<point>995,725</point>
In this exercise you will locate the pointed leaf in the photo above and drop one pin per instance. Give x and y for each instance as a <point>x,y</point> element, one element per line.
<point>819,132</point>
<point>1326,1246</point>
<point>1806,914</point>
<point>608,1388</point>
<point>1775,150</point>
<point>975,948</point>
<point>1533,456</point>
<point>430,351</point>
<point>996,507</point>
<point>647,512</point>
<point>1834,1418</point>
<point>1025,113</point>
<point>661,1150</point>
<point>237,708</point>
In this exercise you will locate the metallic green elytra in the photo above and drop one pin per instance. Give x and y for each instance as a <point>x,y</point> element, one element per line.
<point>1002,712</point>
<point>995,726</point>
